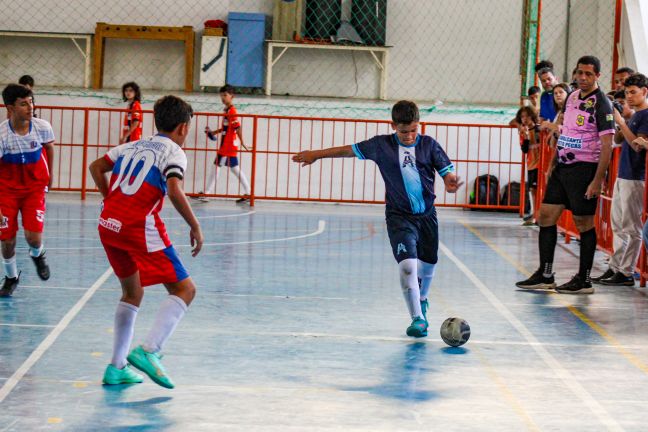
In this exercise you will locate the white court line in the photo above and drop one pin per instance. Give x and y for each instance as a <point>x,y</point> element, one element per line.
<point>26,325</point>
<point>51,338</point>
<point>95,219</point>
<point>321,226</point>
<point>550,360</point>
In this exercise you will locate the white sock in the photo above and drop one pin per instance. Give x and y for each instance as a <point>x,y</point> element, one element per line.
<point>426,273</point>
<point>36,251</point>
<point>171,312</point>
<point>241,176</point>
<point>123,333</point>
<point>211,182</point>
<point>11,269</point>
<point>409,285</point>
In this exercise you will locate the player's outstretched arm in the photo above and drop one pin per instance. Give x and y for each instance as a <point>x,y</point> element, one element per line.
<point>179,201</point>
<point>452,182</point>
<point>98,170</point>
<point>310,156</point>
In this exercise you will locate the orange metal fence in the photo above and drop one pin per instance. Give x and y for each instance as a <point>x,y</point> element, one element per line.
<point>84,134</point>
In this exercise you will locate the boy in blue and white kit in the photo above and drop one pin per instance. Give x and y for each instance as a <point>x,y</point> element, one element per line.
<point>408,163</point>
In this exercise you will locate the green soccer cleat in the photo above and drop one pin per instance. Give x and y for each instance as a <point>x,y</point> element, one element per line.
<point>424,308</point>
<point>418,328</point>
<point>114,376</point>
<point>149,363</point>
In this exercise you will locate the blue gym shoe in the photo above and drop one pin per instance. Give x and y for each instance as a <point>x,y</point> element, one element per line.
<point>149,363</point>
<point>418,328</point>
<point>127,375</point>
<point>424,308</point>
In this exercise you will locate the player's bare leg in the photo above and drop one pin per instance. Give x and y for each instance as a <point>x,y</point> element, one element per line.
<point>37,253</point>
<point>12,275</point>
<point>118,371</point>
<point>146,357</point>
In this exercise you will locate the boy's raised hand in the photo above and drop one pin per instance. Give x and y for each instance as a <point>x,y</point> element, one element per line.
<point>452,182</point>
<point>305,158</point>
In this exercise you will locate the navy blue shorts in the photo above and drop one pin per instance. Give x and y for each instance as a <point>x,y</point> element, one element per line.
<point>231,161</point>
<point>413,236</point>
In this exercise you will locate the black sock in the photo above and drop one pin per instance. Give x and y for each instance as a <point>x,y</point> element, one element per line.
<point>587,250</point>
<point>547,244</point>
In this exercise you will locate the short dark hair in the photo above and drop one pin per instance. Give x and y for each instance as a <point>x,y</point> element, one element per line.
<point>625,69</point>
<point>13,92</point>
<point>637,79</point>
<point>227,89</point>
<point>135,87</point>
<point>545,70</point>
<point>26,80</point>
<point>170,111</point>
<point>590,60</point>
<point>529,112</point>
<point>543,64</point>
<point>533,90</point>
<point>405,112</point>
<point>619,94</point>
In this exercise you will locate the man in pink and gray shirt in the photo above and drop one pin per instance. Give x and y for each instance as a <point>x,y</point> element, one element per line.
<point>581,161</point>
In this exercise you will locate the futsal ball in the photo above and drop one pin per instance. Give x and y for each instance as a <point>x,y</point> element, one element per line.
<point>455,331</point>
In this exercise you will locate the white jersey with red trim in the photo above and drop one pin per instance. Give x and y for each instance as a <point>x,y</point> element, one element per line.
<point>138,184</point>
<point>23,163</point>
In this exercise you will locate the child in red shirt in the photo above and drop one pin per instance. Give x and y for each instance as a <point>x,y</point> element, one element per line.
<point>132,130</point>
<point>231,137</point>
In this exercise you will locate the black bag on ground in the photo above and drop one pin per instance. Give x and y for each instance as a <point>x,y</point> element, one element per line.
<point>511,196</point>
<point>485,190</point>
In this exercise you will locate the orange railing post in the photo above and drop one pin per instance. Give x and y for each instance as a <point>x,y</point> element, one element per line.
<point>254,157</point>
<point>84,166</point>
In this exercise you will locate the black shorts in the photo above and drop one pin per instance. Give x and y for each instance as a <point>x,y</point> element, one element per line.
<point>567,186</point>
<point>532,178</point>
<point>413,236</point>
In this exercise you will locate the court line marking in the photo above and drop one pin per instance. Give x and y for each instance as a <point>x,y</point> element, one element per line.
<point>565,376</point>
<point>95,219</point>
<point>33,358</point>
<point>634,360</point>
<point>321,226</point>
<point>26,325</point>
<point>515,404</point>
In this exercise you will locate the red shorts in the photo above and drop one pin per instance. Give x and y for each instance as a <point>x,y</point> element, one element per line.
<point>163,266</point>
<point>31,206</point>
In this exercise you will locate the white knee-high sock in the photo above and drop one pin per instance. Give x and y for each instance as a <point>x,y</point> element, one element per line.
<point>211,181</point>
<point>36,251</point>
<point>409,285</point>
<point>241,176</point>
<point>10,266</point>
<point>123,333</point>
<point>426,274</point>
<point>171,312</point>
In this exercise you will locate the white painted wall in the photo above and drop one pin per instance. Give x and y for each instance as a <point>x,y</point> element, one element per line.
<point>634,36</point>
<point>452,50</point>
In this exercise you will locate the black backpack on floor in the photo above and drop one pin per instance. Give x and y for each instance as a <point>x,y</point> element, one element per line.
<point>485,190</point>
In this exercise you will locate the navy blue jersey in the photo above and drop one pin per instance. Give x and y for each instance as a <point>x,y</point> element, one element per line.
<point>408,171</point>
<point>547,107</point>
<point>632,165</point>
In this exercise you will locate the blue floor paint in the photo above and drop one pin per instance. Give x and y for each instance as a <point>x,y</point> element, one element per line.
<point>309,334</point>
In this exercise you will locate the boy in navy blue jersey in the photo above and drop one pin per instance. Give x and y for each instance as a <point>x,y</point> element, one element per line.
<point>408,163</point>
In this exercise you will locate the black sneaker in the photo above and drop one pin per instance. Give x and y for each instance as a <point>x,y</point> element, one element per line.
<point>537,282</point>
<point>618,279</point>
<point>42,268</point>
<point>576,286</point>
<point>243,199</point>
<point>9,286</point>
<point>608,274</point>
